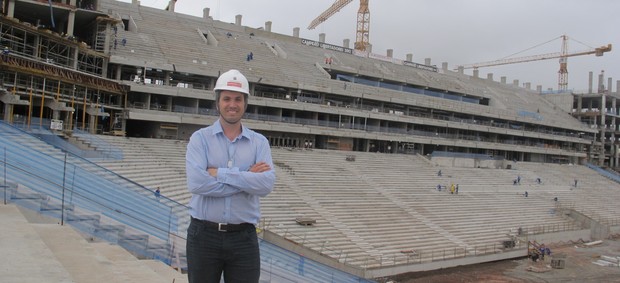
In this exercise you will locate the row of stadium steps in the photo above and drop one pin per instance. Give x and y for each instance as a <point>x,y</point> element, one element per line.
<point>461,221</point>
<point>96,226</point>
<point>469,216</point>
<point>593,196</point>
<point>328,234</point>
<point>321,236</point>
<point>267,63</point>
<point>301,63</point>
<point>371,211</point>
<point>37,249</point>
<point>152,163</point>
<point>368,218</point>
<point>138,47</point>
<point>169,33</point>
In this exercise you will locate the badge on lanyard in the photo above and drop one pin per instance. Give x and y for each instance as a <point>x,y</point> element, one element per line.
<point>230,163</point>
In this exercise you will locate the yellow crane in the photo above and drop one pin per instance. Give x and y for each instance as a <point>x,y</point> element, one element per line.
<point>563,55</point>
<point>363,21</point>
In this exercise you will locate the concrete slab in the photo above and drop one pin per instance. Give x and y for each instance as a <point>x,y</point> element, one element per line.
<point>25,256</point>
<point>94,262</point>
<point>166,271</point>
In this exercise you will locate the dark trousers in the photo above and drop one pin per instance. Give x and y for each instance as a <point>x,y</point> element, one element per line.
<point>210,252</point>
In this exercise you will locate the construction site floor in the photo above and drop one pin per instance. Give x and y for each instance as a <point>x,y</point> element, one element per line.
<point>579,267</point>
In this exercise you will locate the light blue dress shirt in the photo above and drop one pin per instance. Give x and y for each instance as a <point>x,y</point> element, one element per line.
<point>233,196</point>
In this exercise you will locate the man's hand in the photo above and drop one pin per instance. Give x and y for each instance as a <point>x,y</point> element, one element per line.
<point>259,167</point>
<point>212,171</point>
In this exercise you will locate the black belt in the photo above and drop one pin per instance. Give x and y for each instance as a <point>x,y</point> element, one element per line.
<point>224,227</point>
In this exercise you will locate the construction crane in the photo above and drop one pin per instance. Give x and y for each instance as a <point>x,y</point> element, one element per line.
<point>363,21</point>
<point>563,55</point>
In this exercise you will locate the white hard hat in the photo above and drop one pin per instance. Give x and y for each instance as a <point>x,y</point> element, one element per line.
<point>232,80</point>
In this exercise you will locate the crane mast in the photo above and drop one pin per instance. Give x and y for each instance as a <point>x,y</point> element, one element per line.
<point>563,72</point>
<point>363,21</point>
<point>363,25</point>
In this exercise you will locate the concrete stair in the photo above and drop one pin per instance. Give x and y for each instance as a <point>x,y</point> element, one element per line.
<point>37,249</point>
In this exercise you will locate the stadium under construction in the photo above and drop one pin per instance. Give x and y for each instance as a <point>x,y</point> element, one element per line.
<point>141,80</point>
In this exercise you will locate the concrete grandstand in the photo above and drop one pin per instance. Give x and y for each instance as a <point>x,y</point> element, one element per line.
<point>357,140</point>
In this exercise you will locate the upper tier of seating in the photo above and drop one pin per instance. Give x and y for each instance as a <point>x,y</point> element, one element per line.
<point>207,47</point>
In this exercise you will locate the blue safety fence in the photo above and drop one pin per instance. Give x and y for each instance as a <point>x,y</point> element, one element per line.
<point>101,203</point>
<point>614,176</point>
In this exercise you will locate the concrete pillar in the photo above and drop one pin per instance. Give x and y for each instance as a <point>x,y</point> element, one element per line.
<point>390,53</point>
<point>427,61</point>
<point>71,23</point>
<point>167,78</point>
<point>590,80</point>
<point>515,82</point>
<point>92,128</point>
<point>609,87</point>
<point>444,66</point>
<point>602,111</point>
<point>268,26</point>
<point>601,85</point>
<point>296,32</point>
<point>528,85</point>
<point>476,73</point>
<point>171,5</point>
<point>118,72</point>
<point>10,11</point>
<point>135,2</point>
<point>539,88</point>
<point>490,76</point>
<point>461,70</point>
<point>238,20</point>
<point>614,151</point>
<point>55,114</point>
<point>322,37</point>
<point>502,79</point>
<point>205,13</point>
<point>8,111</point>
<point>618,87</point>
<point>346,42</point>
<point>108,38</point>
<point>409,57</point>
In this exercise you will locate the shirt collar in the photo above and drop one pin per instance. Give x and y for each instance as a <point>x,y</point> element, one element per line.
<point>245,133</point>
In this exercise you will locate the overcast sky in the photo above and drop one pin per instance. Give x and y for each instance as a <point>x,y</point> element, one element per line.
<point>454,31</point>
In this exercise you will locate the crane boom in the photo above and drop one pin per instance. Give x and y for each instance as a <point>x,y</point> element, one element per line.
<point>597,51</point>
<point>335,8</point>
<point>563,55</point>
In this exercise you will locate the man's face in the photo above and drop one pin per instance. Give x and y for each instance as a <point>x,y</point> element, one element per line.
<point>231,106</point>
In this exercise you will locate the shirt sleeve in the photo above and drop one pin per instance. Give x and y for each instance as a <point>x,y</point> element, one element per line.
<point>198,179</point>
<point>259,184</point>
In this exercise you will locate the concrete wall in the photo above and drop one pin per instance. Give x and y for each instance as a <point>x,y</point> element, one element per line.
<point>310,254</point>
<point>564,101</point>
<point>381,272</point>
<point>469,162</point>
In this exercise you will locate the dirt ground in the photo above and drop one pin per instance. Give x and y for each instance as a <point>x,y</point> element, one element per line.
<point>579,268</point>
